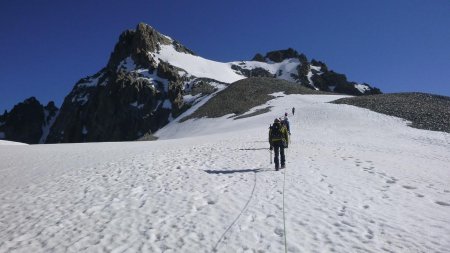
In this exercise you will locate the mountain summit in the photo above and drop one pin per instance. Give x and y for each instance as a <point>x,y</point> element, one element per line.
<point>139,44</point>
<point>150,79</point>
<point>136,93</point>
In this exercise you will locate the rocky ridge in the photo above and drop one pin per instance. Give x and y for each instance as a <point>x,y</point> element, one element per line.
<point>312,74</point>
<point>132,96</point>
<point>230,101</point>
<point>425,111</point>
<point>145,85</point>
<point>28,121</point>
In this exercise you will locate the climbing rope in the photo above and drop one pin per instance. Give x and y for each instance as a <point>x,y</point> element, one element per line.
<point>214,249</point>
<point>284,212</point>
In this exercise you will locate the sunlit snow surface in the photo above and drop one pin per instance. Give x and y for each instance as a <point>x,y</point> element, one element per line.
<point>3,142</point>
<point>356,181</point>
<point>196,65</point>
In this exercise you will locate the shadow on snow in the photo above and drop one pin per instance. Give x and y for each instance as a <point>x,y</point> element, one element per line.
<point>237,171</point>
<point>254,149</point>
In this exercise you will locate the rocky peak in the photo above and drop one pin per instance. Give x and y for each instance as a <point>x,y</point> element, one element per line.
<point>32,101</point>
<point>51,111</point>
<point>25,121</point>
<point>51,106</point>
<point>136,93</point>
<point>281,55</point>
<point>138,44</point>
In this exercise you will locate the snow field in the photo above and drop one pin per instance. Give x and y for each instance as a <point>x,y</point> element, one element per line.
<point>356,181</point>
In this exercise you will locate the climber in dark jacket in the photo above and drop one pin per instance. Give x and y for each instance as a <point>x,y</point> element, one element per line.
<point>285,122</point>
<point>278,140</point>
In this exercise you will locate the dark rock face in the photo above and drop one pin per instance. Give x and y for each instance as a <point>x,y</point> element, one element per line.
<point>51,110</point>
<point>119,111</point>
<point>123,103</point>
<point>256,72</point>
<point>281,55</point>
<point>25,122</point>
<point>136,43</point>
<point>203,88</point>
<point>259,57</point>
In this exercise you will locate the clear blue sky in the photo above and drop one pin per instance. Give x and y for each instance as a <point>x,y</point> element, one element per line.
<point>396,45</point>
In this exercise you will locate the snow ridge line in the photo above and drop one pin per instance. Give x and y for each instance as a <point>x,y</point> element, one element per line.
<point>214,249</point>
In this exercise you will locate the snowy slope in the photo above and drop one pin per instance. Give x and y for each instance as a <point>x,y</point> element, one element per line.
<point>356,181</point>
<point>197,66</point>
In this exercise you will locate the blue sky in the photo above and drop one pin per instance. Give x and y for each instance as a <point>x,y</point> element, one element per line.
<point>395,45</point>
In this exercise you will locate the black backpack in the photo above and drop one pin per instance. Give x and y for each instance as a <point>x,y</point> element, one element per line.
<point>275,132</point>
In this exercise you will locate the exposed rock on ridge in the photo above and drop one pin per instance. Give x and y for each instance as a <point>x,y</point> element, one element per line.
<point>314,74</point>
<point>133,95</point>
<point>26,122</point>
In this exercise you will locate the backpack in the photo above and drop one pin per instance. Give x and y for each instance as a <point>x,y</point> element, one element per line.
<point>275,132</point>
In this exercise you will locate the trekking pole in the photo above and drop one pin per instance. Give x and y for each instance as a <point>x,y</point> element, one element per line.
<point>270,127</point>
<point>270,156</point>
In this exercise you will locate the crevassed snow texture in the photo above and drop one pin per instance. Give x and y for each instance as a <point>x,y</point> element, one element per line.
<point>356,181</point>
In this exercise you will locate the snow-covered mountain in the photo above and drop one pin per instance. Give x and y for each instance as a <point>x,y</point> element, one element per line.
<point>291,66</point>
<point>150,79</point>
<point>356,181</point>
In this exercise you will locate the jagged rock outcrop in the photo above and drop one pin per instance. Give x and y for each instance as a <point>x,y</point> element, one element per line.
<point>281,55</point>
<point>133,95</point>
<point>27,121</point>
<point>254,72</point>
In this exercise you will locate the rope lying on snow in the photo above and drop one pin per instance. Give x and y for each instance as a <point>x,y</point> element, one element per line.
<point>284,217</point>
<point>214,249</point>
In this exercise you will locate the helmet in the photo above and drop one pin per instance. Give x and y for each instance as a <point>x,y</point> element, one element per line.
<point>276,121</point>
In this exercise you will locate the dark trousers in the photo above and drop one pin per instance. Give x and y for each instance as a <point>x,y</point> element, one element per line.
<point>279,149</point>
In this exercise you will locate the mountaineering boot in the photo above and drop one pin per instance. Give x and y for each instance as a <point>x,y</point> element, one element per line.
<point>276,168</point>
<point>283,166</point>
